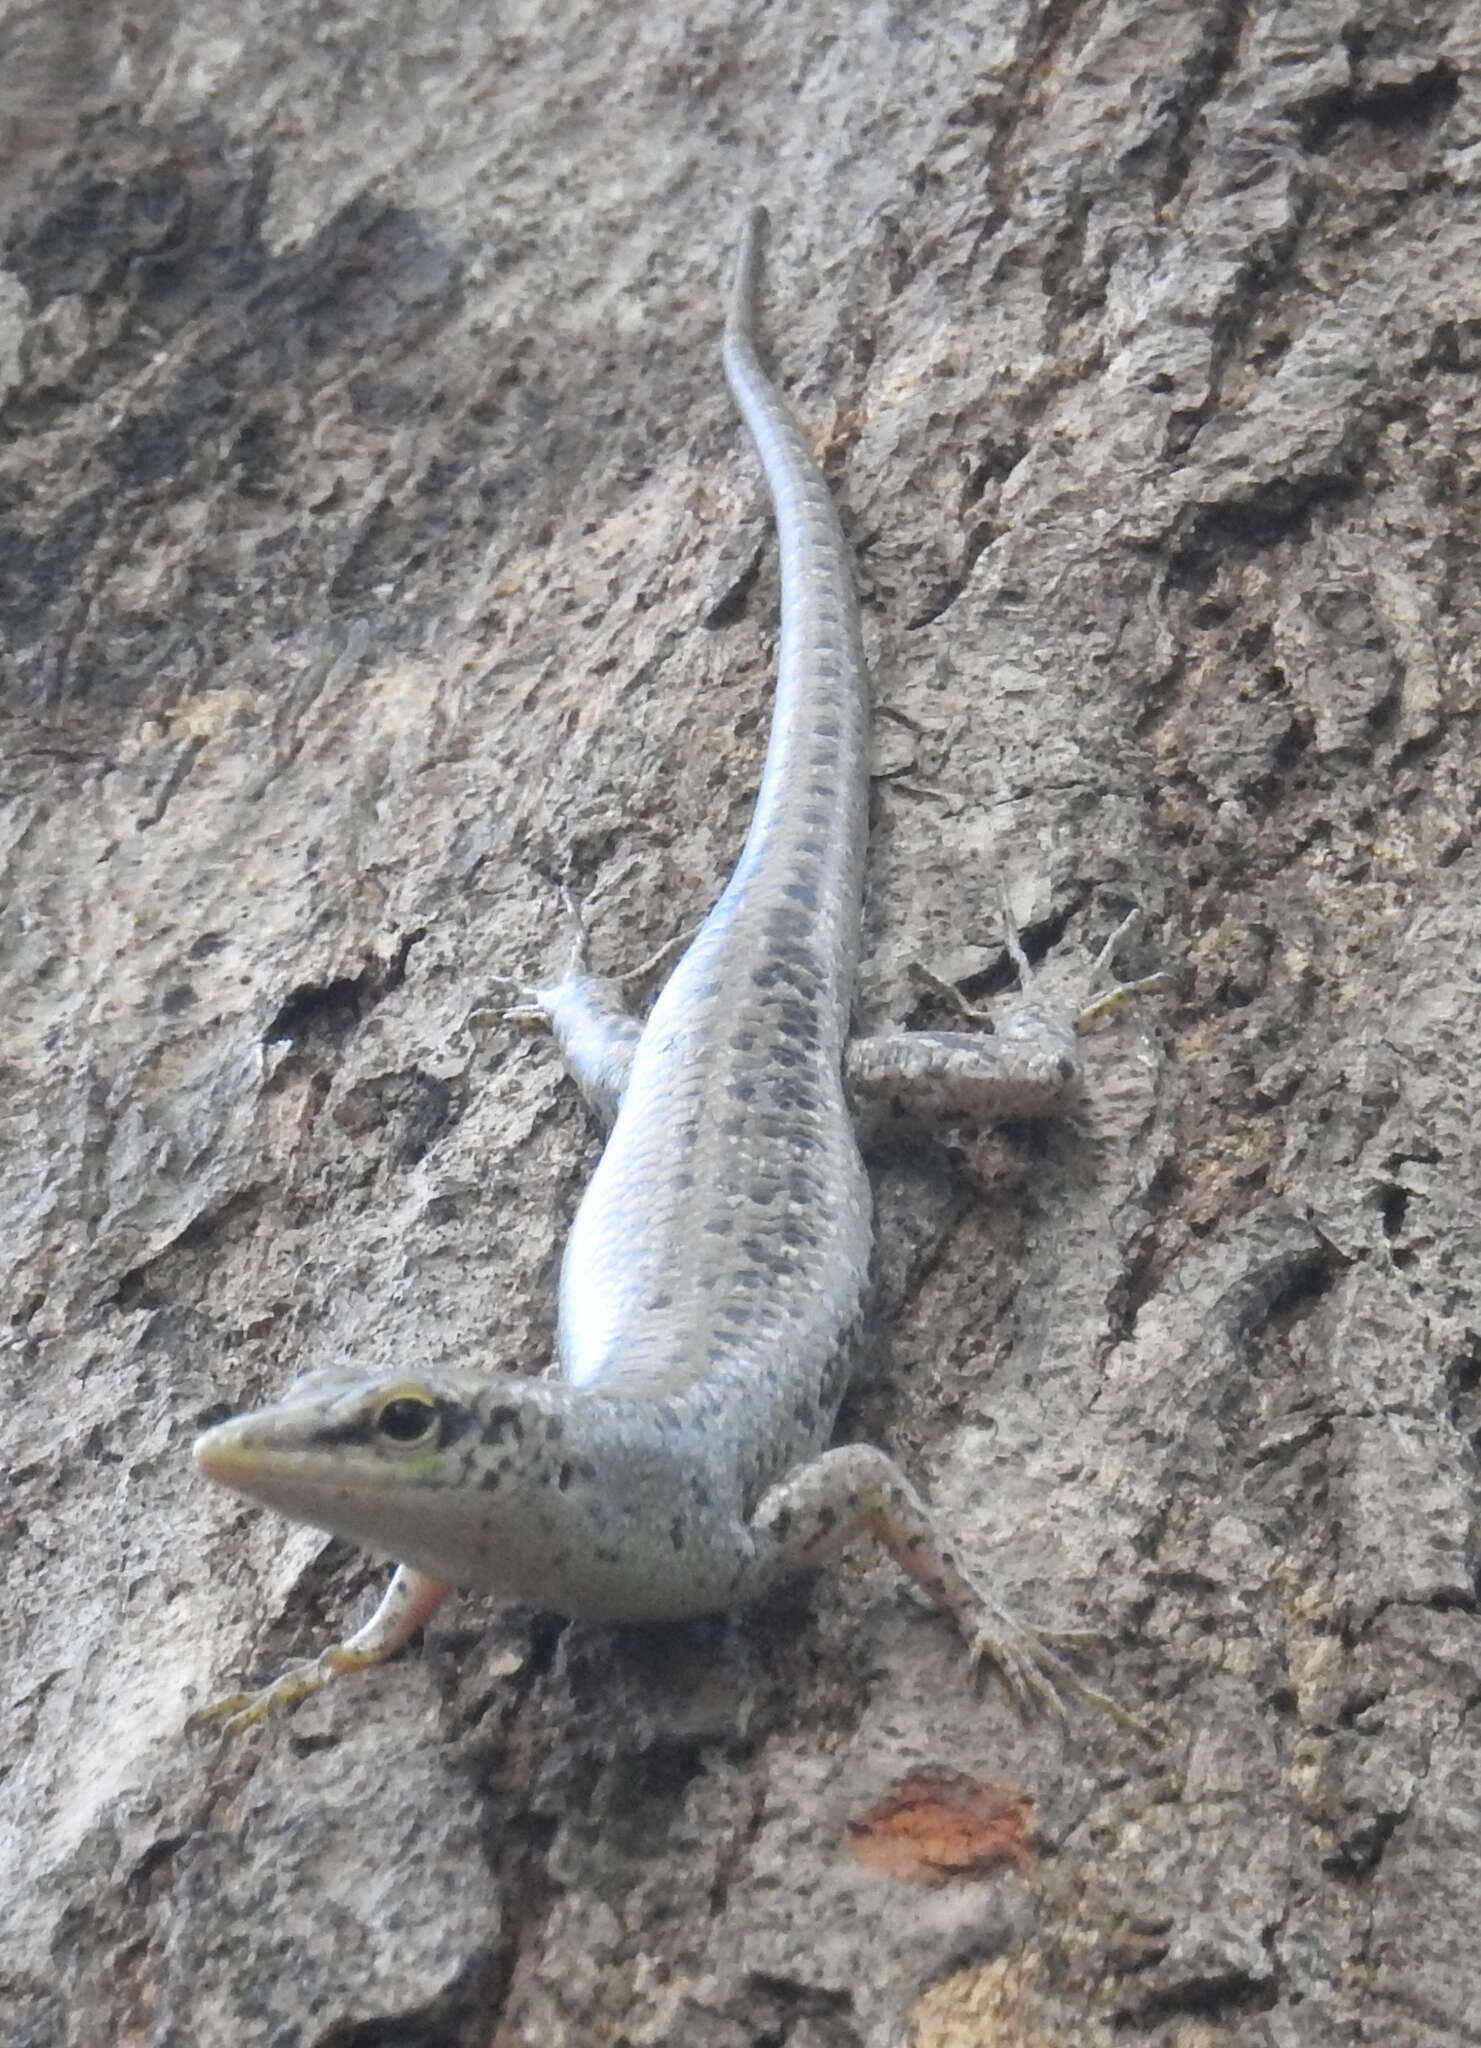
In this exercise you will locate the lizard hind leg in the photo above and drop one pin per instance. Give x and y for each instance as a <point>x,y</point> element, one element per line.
<point>1028,1064</point>
<point>855,1490</point>
<point>596,1033</point>
<point>588,1017</point>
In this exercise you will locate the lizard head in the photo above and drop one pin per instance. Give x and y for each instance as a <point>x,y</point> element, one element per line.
<point>365,1455</point>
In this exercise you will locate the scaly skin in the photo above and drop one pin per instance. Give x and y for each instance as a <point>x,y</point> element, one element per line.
<point>715,1277</point>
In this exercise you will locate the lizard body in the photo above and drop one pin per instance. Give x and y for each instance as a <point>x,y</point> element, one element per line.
<point>715,1278</point>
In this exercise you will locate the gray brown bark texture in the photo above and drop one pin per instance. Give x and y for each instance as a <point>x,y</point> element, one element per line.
<point>380,551</point>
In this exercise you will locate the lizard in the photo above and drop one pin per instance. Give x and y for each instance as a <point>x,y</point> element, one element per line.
<point>716,1277</point>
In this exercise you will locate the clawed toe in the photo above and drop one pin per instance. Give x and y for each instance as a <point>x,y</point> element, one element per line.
<point>529,1012</point>
<point>1072,1638</point>
<point>1040,1683</point>
<point>520,1002</point>
<point>1114,998</point>
<point>236,1712</point>
<point>1030,1692</point>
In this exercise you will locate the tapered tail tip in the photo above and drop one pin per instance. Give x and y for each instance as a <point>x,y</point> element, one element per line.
<point>742,311</point>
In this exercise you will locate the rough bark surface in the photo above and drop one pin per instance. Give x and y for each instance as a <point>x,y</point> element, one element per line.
<point>379,548</point>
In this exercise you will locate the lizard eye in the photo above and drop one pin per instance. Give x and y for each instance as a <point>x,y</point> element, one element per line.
<point>406,1419</point>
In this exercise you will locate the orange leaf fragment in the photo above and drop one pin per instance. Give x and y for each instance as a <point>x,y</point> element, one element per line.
<point>936,1826</point>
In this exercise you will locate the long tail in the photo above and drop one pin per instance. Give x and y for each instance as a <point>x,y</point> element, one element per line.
<point>811,821</point>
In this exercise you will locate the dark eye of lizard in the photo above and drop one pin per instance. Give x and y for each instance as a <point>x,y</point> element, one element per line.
<point>406,1419</point>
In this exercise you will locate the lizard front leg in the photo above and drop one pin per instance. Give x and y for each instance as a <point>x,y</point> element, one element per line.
<point>857,1490</point>
<point>408,1604</point>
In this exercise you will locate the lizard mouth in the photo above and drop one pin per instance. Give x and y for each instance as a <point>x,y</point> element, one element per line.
<point>228,1455</point>
<point>236,1455</point>
<point>241,1455</point>
<point>339,1488</point>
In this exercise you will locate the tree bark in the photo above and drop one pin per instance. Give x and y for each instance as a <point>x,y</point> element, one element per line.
<point>380,551</point>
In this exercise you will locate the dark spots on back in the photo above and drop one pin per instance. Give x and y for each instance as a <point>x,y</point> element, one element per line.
<point>605,1554</point>
<point>676,1532</point>
<point>719,1226</point>
<point>781,1521</point>
<point>742,1091</point>
<point>826,1520</point>
<point>803,892</point>
<point>700,1494</point>
<point>783,924</point>
<point>492,1480</point>
<point>566,1476</point>
<point>555,1428</point>
<point>658,1302</point>
<point>743,1041</point>
<point>504,1423</point>
<point>1065,1067</point>
<point>799,1025</point>
<point>797,1093</point>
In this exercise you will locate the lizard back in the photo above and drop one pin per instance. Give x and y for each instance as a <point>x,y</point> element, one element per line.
<point>721,1250</point>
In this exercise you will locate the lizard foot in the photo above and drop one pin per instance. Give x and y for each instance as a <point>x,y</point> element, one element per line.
<point>1111,1000</point>
<point>529,1004</point>
<point>1038,1681</point>
<point>236,1712</point>
<point>534,1006</point>
<point>1107,997</point>
<point>407,1605</point>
